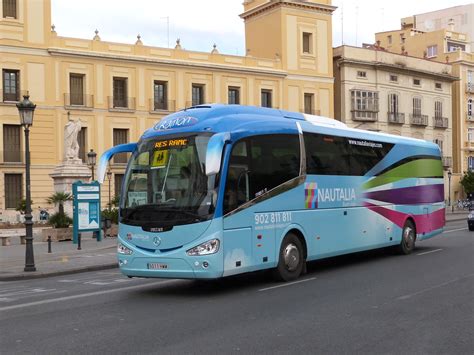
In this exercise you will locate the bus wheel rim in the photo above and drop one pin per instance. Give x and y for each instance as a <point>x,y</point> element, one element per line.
<point>408,237</point>
<point>291,257</point>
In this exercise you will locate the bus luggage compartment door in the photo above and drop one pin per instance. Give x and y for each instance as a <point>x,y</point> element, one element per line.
<point>237,250</point>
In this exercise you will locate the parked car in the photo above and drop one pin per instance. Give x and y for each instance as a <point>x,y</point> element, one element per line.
<point>470,220</point>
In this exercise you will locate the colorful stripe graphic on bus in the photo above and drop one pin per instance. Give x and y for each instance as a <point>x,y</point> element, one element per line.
<point>311,195</point>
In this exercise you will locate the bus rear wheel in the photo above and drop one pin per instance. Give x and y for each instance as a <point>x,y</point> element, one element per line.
<point>407,244</point>
<point>291,259</point>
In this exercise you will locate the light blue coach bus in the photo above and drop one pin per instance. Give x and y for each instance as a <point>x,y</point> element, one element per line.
<point>218,190</point>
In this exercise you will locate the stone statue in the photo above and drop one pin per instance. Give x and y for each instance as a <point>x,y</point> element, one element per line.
<point>71,146</point>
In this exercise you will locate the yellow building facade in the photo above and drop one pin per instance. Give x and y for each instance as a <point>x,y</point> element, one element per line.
<point>119,90</point>
<point>445,46</point>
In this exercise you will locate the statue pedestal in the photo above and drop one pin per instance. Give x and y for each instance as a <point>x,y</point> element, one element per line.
<point>69,171</point>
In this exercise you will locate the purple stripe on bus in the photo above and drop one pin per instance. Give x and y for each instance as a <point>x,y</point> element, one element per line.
<point>409,195</point>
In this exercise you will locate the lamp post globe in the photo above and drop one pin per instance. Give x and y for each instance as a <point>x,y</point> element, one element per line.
<point>91,160</point>
<point>26,110</point>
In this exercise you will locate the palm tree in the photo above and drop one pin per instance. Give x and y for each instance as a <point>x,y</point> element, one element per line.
<point>58,198</point>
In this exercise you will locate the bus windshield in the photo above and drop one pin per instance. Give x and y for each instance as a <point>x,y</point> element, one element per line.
<point>166,183</point>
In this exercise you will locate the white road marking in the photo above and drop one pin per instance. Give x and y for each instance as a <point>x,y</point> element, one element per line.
<point>90,294</point>
<point>285,284</point>
<point>429,252</point>
<point>455,230</point>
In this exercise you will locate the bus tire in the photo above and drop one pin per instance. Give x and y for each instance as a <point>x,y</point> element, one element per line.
<point>290,259</point>
<point>407,244</point>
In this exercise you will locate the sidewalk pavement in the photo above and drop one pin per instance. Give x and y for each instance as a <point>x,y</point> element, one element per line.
<point>66,259</point>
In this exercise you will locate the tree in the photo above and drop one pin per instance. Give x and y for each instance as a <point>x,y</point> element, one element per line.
<point>467,182</point>
<point>58,198</point>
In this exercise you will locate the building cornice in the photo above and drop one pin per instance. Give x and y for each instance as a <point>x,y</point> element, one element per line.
<point>174,63</point>
<point>299,4</point>
<point>397,68</point>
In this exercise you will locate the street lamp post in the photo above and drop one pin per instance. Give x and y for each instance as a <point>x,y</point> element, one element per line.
<point>109,177</point>
<point>449,187</point>
<point>91,159</point>
<point>26,110</point>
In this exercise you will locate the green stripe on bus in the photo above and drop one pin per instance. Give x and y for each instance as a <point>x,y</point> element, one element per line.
<point>414,169</point>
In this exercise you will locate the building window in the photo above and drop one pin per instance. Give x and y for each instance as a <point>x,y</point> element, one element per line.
<point>120,92</point>
<point>198,94</point>
<point>393,78</point>
<point>307,42</point>
<point>393,103</point>
<point>438,109</point>
<point>438,86</point>
<point>9,8</point>
<point>439,142</point>
<point>76,89</point>
<point>364,104</point>
<point>118,179</point>
<point>234,96</point>
<point>160,95</point>
<point>417,107</point>
<point>266,98</point>
<point>120,137</point>
<point>82,141</point>
<point>11,85</point>
<point>361,74</point>
<point>11,143</point>
<point>416,82</point>
<point>470,77</point>
<point>470,163</point>
<point>389,38</point>
<point>308,103</point>
<point>469,108</point>
<point>432,51</point>
<point>13,190</point>
<point>470,135</point>
<point>402,38</point>
<point>453,47</point>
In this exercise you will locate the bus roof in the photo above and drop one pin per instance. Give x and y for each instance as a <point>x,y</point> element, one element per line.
<point>243,121</point>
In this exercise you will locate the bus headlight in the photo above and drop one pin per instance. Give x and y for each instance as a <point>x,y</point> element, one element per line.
<point>209,247</point>
<point>122,249</point>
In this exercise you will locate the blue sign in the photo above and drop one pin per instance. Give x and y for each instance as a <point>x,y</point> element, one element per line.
<point>86,214</point>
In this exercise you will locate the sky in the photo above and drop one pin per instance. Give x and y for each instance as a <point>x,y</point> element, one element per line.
<point>200,24</point>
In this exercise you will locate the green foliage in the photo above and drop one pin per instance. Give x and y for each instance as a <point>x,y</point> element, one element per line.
<point>467,182</point>
<point>112,215</point>
<point>60,220</point>
<point>58,198</point>
<point>22,206</point>
<point>115,201</point>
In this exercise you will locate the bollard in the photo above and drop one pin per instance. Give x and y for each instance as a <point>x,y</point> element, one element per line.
<point>49,244</point>
<point>79,242</point>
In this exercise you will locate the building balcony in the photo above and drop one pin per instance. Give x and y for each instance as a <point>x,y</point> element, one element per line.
<point>418,120</point>
<point>470,88</point>
<point>80,101</point>
<point>470,116</point>
<point>440,122</point>
<point>364,115</point>
<point>469,145</point>
<point>396,117</point>
<point>162,105</point>
<point>447,162</point>
<point>121,103</point>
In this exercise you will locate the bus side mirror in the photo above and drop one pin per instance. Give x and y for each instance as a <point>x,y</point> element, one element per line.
<point>108,154</point>
<point>215,147</point>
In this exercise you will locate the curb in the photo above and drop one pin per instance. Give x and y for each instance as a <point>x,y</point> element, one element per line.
<point>26,276</point>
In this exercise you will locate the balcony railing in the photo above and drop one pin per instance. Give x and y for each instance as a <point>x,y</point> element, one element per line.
<point>121,103</point>
<point>78,100</point>
<point>162,105</point>
<point>447,162</point>
<point>470,88</point>
<point>419,120</point>
<point>440,122</point>
<point>396,117</point>
<point>469,116</point>
<point>363,115</point>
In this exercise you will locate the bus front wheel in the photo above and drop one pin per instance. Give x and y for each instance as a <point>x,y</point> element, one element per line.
<point>291,259</point>
<point>407,244</point>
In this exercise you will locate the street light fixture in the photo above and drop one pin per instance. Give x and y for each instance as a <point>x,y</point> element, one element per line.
<point>109,177</point>
<point>449,187</point>
<point>91,159</point>
<point>26,110</point>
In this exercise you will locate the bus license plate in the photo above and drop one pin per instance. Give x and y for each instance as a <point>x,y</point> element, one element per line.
<point>157,266</point>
